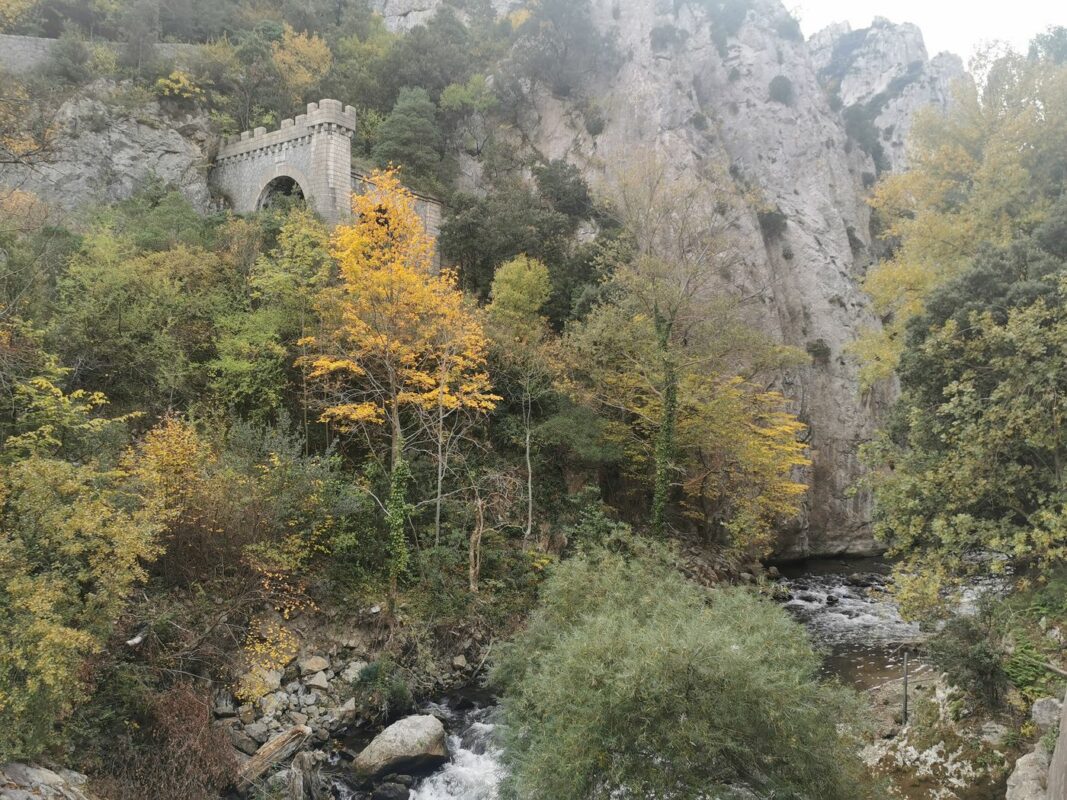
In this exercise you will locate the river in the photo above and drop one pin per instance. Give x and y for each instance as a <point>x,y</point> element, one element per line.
<point>842,603</point>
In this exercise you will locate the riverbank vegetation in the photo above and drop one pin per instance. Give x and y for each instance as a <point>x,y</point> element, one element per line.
<point>624,675</point>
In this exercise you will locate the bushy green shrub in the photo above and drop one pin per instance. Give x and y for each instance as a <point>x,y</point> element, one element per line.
<point>971,651</point>
<point>381,690</point>
<point>663,37</point>
<point>772,222</point>
<point>631,681</point>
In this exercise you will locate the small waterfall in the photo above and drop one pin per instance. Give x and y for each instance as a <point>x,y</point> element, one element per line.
<point>475,771</point>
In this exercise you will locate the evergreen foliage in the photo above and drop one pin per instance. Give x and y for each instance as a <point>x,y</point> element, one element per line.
<point>631,680</point>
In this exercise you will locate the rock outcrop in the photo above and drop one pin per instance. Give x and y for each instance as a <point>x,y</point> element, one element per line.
<point>702,101</point>
<point>105,149</point>
<point>882,77</point>
<point>30,782</point>
<point>1057,774</point>
<point>413,745</point>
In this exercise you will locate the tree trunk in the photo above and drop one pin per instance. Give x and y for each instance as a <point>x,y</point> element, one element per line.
<point>277,749</point>
<point>526,418</point>
<point>474,555</point>
<point>665,448</point>
<point>440,474</point>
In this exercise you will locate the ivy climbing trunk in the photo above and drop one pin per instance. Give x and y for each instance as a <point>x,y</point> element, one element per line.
<point>665,447</point>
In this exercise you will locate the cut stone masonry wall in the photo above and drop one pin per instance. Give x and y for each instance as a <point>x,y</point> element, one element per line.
<point>314,150</point>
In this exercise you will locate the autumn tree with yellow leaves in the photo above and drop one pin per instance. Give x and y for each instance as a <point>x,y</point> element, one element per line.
<point>980,175</point>
<point>401,354</point>
<point>668,360</point>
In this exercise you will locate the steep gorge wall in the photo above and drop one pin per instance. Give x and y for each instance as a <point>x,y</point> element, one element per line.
<point>706,108</point>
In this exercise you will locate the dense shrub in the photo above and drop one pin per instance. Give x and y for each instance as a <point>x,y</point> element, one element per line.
<point>178,754</point>
<point>631,681</point>
<point>772,222</point>
<point>71,552</point>
<point>663,37</point>
<point>970,650</point>
<point>789,28</point>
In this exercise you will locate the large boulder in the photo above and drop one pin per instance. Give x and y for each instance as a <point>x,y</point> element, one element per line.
<point>413,745</point>
<point>1046,713</point>
<point>1027,780</point>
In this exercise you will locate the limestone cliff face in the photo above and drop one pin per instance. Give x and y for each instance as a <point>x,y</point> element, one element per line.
<point>706,107</point>
<point>104,153</point>
<point>883,76</point>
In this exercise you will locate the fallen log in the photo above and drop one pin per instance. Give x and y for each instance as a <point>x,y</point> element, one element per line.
<point>277,749</point>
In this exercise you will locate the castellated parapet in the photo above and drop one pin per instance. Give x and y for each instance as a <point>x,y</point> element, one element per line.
<point>310,155</point>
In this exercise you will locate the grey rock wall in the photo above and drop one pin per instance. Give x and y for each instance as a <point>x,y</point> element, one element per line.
<point>20,54</point>
<point>884,72</point>
<point>1057,773</point>
<point>709,112</point>
<point>104,153</point>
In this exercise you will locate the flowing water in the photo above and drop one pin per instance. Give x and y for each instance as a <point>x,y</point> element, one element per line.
<point>842,603</point>
<point>852,619</point>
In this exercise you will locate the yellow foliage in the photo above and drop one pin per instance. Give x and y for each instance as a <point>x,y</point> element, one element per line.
<point>979,175</point>
<point>11,11</point>
<point>73,545</point>
<point>302,60</point>
<point>268,646</point>
<point>179,86</point>
<point>396,333</point>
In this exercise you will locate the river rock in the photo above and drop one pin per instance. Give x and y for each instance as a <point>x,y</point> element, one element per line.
<point>258,731</point>
<point>391,791</point>
<point>30,782</point>
<point>414,744</point>
<point>243,742</point>
<point>1046,713</point>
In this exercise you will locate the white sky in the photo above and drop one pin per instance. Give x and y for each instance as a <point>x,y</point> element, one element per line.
<point>958,26</point>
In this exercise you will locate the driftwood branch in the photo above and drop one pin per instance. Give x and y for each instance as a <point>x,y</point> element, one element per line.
<point>277,749</point>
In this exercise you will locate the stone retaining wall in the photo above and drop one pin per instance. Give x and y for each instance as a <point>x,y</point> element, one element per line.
<point>19,54</point>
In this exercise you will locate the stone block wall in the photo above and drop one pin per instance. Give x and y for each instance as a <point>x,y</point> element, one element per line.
<point>19,54</point>
<point>314,149</point>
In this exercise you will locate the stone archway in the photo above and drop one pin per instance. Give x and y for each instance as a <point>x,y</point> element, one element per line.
<point>278,187</point>
<point>310,155</point>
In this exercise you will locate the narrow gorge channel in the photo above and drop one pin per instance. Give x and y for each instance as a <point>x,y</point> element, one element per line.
<point>842,603</point>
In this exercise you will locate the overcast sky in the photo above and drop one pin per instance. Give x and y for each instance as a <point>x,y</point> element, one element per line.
<point>955,25</point>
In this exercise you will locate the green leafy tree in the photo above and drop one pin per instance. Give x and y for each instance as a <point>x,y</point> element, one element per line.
<point>631,681</point>
<point>522,344</point>
<point>410,136</point>
<point>976,484</point>
<point>662,356</point>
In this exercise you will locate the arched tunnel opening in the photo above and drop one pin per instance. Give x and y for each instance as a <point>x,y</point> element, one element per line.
<point>281,189</point>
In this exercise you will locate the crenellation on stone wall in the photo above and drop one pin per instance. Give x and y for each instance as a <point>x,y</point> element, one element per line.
<point>326,116</point>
